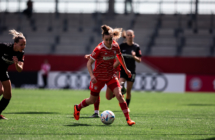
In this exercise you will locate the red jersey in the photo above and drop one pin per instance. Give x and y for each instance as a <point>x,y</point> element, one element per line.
<point>104,59</point>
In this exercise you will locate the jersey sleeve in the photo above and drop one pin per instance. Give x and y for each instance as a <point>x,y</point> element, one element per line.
<point>4,47</point>
<point>118,51</point>
<point>138,52</point>
<point>95,54</point>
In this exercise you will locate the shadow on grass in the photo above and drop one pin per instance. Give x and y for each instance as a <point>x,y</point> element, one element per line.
<point>117,111</point>
<point>32,113</point>
<point>84,133</point>
<point>79,124</point>
<point>84,117</point>
<point>201,104</point>
<point>208,139</point>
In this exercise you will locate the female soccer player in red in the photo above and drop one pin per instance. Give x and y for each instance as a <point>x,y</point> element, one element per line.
<point>131,52</point>
<point>12,53</point>
<point>104,55</point>
<point>108,90</point>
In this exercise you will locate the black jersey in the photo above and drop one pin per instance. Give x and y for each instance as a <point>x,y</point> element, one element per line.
<point>7,53</point>
<point>127,55</point>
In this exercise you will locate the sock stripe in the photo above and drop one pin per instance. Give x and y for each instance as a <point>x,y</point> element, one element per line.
<point>82,105</point>
<point>125,111</point>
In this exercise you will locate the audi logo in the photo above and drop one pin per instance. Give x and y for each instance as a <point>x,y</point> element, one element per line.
<point>72,80</point>
<point>150,82</point>
<point>146,82</point>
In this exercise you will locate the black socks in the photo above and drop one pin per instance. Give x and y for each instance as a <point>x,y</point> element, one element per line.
<point>3,104</point>
<point>128,102</point>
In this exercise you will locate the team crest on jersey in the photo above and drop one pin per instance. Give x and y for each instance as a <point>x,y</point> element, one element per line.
<point>108,58</point>
<point>114,52</point>
<point>95,87</point>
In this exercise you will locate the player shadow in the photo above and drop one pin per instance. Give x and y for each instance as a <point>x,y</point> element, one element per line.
<point>79,124</point>
<point>208,139</point>
<point>200,104</point>
<point>117,111</point>
<point>85,117</point>
<point>32,112</point>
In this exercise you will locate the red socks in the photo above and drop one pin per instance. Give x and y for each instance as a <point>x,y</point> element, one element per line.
<point>82,104</point>
<point>125,110</point>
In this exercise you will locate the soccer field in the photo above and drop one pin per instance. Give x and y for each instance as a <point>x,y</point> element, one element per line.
<point>48,115</point>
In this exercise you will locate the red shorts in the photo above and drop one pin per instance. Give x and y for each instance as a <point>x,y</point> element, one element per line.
<point>96,87</point>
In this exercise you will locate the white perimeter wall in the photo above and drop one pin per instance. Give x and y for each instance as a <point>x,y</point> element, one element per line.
<point>143,82</point>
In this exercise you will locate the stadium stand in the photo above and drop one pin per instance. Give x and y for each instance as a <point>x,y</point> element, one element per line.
<point>175,37</point>
<point>78,34</point>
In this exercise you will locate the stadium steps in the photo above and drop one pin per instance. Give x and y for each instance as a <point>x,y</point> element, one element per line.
<point>163,51</point>
<point>194,51</point>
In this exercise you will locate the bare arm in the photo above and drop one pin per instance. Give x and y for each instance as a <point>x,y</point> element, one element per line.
<point>87,56</point>
<point>116,64</point>
<point>122,62</point>
<point>18,64</point>
<point>90,69</point>
<point>138,59</point>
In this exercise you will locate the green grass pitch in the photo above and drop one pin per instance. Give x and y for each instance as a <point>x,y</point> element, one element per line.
<point>48,115</point>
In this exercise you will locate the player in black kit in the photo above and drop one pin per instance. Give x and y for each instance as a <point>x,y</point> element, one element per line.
<point>11,53</point>
<point>131,52</point>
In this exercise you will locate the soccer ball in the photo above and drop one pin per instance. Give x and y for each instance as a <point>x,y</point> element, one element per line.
<point>107,117</point>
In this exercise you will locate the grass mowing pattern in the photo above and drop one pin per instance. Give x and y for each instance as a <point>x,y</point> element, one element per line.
<point>48,115</point>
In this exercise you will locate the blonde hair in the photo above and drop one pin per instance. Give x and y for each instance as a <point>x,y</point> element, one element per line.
<point>124,33</point>
<point>115,33</point>
<point>16,35</point>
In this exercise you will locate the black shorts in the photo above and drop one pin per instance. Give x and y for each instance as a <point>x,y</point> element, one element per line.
<point>4,75</point>
<point>124,75</point>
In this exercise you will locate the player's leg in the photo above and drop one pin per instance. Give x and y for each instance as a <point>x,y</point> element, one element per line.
<point>122,83</point>
<point>1,93</point>
<point>86,102</point>
<point>6,96</point>
<point>109,94</point>
<point>128,95</point>
<point>115,87</point>
<point>130,83</point>
<point>122,80</point>
<point>96,108</point>
<point>123,105</point>
<point>1,89</point>
<point>96,104</point>
<point>94,94</point>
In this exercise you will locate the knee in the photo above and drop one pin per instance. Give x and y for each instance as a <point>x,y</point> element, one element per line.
<point>108,97</point>
<point>119,96</point>
<point>92,101</point>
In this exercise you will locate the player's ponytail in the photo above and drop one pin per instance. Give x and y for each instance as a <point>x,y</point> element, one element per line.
<point>124,34</point>
<point>16,35</point>
<point>115,33</point>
